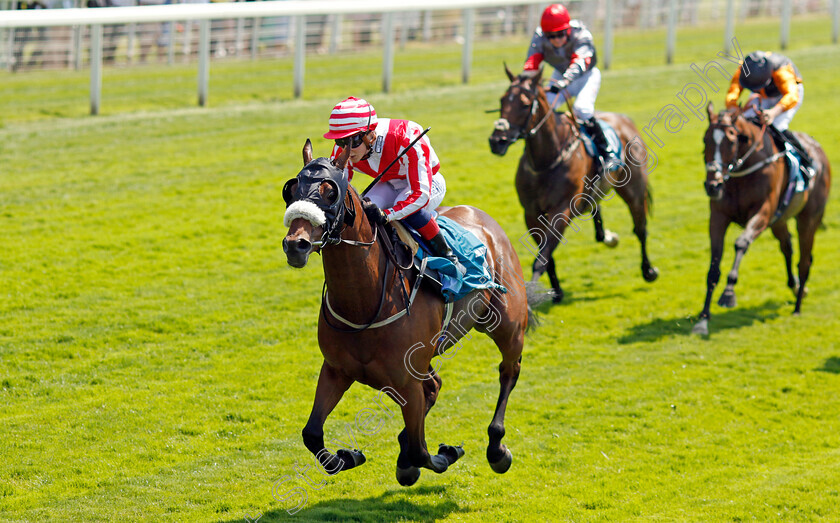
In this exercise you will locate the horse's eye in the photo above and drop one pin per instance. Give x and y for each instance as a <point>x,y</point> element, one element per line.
<point>742,138</point>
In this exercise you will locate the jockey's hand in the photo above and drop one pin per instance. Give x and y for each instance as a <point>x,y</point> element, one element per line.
<point>555,86</point>
<point>771,114</point>
<point>374,213</point>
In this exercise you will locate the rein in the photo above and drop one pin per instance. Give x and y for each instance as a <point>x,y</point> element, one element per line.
<point>390,260</point>
<point>733,169</point>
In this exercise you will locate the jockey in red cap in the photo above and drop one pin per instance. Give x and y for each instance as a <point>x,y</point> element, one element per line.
<point>412,188</point>
<point>567,46</point>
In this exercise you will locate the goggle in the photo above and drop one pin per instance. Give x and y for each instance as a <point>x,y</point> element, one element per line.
<point>558,34</point>
<point>354,141</point>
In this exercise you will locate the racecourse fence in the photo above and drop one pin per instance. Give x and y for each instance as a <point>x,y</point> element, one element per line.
<point>66,34</point>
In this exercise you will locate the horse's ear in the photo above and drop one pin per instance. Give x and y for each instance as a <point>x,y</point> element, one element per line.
<point>307,152</point>
<point>341,161</point>
<point>510,75</point>
<point>711,110</point>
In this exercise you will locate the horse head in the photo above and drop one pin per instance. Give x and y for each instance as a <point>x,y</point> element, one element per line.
<point>728,133</point>
<point>518,107</point>
<point>315,205</point>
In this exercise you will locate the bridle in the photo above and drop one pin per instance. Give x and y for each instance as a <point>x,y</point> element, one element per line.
<point>503,124</point>
<point>734,169</point>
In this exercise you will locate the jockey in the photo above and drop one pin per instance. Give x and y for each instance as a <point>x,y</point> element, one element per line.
<point>412,188</point>
<point>776,82</point>
<point>567,46</point>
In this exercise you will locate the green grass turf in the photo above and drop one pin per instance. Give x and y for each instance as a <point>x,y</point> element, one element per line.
<point>158,357</point>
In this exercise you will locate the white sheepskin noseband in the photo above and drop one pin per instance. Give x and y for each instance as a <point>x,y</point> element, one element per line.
<point>306,210</point>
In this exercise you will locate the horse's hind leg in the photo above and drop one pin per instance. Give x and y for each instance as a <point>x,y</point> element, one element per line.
<point>807,228</point>
<point>634,194</point>
<point>781,232</point>
<point>510,342</point>
<point>332,385</point>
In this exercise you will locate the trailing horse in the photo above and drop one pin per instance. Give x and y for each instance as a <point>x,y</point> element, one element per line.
<point>556,179</point>
<point>746,179</point>
<point>368,334</point>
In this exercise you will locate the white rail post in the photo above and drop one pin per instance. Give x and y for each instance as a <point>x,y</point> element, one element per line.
<point>132,36</point>
<point>95,68</point>
<point>170,44</point>
<point>335,33</point>
<point>300,51</point>
<point>388,51</point>
<point>787,12</point>
<point>672,31</point>
<point>239,39</point>
<point>203,61</point>
<point>469,35</point>
<point>730,26</point>
<point>608,34</point>
<point>255,37</point>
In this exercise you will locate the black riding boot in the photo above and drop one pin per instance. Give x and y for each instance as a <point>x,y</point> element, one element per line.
<point>442,249</point>
<point>805,159</point>
<point>606,156</point>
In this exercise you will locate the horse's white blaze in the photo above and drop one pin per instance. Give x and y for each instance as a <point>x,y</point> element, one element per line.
<point>717,135</point>
<point>306,210</point>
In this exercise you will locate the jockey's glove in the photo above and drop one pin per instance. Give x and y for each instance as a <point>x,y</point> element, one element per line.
<point>374,213</point>
<point>555,86</point>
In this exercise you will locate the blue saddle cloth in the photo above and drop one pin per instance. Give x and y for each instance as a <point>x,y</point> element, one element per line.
<point>470,252</point>
<point>612,139</point>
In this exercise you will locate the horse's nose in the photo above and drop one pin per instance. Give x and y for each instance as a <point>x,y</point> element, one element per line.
<point>297,246</point>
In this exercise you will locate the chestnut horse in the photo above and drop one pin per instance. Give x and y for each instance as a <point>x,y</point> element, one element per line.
<point>556,179</point>
<point>383,349</point>
<point>746,176</point>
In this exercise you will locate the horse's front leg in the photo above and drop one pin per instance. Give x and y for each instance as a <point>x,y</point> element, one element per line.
<point>332,385</point>
<point>755,226</point>
<point>547,232</point>
<point>718,224</point>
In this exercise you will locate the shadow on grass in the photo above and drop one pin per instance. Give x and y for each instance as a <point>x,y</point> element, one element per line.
<point>425,505</point>
<point>681,326</point>
<point>831,365</point>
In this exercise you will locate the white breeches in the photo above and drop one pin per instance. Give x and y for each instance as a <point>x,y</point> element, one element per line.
<point>584,90</point>
<point>782,122</point>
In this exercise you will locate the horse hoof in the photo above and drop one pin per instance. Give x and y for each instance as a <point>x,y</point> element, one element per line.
<point>408,477</point>
<point>557,296</point>
<point>351,458</point>
<point>701,328</point>
<point>438,463</point>
<point>610,239</point>
<point>502,466</point>
<point>650,274</point>
<point>452,453</point>
<point>727,299</point>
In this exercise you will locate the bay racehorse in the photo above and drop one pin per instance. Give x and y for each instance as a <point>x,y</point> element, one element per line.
<point>556,179</point>
<point>746,177</point>
<point>364,332</point>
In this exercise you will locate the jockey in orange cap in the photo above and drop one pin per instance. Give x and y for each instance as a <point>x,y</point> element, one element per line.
<point>412,188</point>
<point>567,46</point>
<point>778,85</point>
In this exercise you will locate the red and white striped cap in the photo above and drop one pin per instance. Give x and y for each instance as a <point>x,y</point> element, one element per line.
<point>351,116</point>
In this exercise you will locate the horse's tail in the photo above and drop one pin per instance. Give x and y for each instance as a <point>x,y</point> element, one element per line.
<point>537,295</point>
<point>649,199</point>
